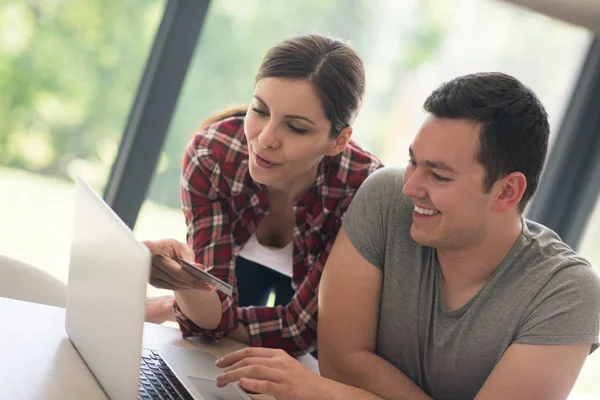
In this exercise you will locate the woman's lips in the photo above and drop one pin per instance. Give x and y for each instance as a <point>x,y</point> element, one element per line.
<point>263,162</point>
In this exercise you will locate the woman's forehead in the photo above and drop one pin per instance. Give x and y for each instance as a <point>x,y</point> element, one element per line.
<point>290,96</point>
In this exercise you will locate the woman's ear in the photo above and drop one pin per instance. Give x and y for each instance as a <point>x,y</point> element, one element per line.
<point>341,142</point>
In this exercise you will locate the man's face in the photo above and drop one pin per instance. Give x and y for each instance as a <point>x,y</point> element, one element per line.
<point>445,182</point>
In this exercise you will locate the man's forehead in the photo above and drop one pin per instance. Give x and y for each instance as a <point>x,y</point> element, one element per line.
<point>433,163</point>
<point>444,142</point>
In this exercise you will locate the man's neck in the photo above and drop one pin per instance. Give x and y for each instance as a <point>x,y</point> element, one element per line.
<point>474,265</point>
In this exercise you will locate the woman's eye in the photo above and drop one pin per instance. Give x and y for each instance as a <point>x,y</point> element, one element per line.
<point>259,112</point>
<point>296,129</point>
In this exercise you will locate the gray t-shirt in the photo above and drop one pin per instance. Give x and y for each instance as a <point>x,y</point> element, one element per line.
<point>542,293</point>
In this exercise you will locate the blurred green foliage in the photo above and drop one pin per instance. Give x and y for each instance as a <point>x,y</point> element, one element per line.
<point>69,71</point>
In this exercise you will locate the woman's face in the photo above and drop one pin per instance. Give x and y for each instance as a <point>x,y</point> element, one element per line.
<point>288,133</point>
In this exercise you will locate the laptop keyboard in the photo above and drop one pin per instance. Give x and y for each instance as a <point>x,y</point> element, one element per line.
<point>157,381</point>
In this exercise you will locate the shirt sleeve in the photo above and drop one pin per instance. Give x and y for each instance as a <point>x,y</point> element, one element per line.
<point>208,233</point>
<point>292,328</point>
<point>565,311</point>
<point>373,212</point>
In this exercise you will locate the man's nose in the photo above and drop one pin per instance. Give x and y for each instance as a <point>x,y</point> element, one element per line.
<point>413,184</point>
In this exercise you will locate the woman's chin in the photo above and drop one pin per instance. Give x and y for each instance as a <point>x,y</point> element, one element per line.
<point>259,175</point>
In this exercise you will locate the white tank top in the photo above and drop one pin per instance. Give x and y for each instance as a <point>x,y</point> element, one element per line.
<point>280,260</point>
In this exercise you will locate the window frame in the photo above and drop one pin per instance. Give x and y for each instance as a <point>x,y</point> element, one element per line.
<point>153,107</point>
<point>570,184</point>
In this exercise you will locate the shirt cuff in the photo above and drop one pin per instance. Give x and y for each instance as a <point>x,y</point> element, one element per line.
<point>228,323</point>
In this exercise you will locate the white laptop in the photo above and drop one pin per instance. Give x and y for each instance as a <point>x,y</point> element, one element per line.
<point>108,273</point>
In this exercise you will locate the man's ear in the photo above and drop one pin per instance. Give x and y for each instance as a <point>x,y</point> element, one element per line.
<point>510,190</point>
<point>341,141</point>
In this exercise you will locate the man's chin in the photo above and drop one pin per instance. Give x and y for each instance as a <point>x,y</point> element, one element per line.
<point>420,237</point>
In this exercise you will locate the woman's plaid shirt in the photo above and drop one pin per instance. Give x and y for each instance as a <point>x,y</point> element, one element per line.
<point>223,206</point>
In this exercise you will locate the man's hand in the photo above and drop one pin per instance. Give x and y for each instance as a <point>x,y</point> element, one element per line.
<point>166,273</point>
<point>272,372</point>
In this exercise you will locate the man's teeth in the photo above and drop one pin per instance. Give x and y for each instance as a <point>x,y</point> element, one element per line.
<point>425,211</point>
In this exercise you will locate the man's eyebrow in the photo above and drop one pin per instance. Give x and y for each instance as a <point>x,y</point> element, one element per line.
<point>433,164</point>
<point>293,116</point>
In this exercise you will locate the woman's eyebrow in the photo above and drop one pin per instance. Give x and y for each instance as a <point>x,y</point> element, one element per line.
<point>261,101</point>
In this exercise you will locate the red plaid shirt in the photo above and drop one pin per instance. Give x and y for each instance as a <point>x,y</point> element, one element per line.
<point>223,206</point>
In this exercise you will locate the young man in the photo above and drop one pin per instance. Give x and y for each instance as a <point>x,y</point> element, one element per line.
<point>436,286</point>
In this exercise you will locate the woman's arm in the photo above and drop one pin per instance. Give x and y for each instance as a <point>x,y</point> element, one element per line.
<point>205,190</point>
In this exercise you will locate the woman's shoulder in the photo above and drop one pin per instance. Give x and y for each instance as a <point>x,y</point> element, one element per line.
<point>223,140</point>
<point>352,166</point>
<point>218,151</point>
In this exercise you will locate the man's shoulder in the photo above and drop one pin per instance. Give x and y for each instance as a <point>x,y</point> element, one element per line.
<point>381,197</point>
<point>386,183</point>
<point>547,255</point>
<point>389,175</point>
<point>543,244</point>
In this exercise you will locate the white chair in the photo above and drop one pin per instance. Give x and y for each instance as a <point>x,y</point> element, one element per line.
<point>22,281</point>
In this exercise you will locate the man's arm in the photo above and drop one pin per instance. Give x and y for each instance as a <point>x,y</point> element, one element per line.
<point>349,300</point>
<point>276,373</point>
<point>528,371</point>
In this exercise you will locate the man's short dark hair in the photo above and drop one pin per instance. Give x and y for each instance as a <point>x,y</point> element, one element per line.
<point>514,124</point>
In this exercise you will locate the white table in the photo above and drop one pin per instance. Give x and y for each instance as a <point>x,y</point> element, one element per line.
<point>38,361</point>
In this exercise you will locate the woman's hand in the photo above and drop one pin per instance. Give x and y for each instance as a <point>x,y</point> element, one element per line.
<point>166,273</point>
<point>159,309</point>
<point>272,372</point>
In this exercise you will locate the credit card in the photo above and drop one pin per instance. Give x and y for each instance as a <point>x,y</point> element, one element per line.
<point>206,277</point>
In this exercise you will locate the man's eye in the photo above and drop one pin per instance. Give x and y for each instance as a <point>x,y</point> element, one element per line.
<point>412,163</point>
<point>440,178</point>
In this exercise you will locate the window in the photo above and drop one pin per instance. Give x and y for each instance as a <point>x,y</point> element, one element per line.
<point>68,72</point>
<point>408,48</point>
<point>590,249</point>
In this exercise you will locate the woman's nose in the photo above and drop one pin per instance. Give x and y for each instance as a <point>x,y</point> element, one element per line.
<point>268,138</point>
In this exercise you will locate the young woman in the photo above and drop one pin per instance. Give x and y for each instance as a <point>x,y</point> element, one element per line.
<point>263,193</point>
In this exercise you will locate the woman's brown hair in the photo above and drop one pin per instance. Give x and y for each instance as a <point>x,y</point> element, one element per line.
<point>331,65</point>
<point>233,111</point>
